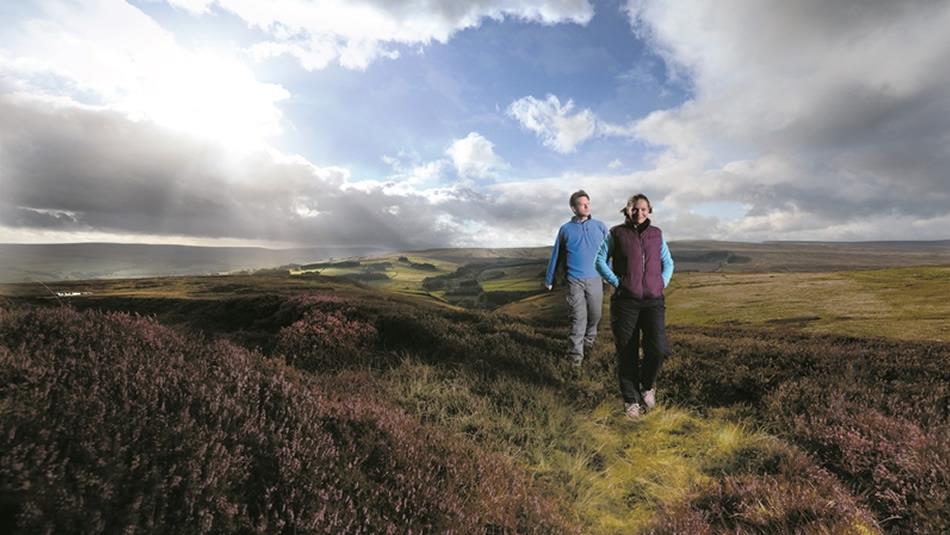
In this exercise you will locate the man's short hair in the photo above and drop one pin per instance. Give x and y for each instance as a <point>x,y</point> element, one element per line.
<point>577,195</point>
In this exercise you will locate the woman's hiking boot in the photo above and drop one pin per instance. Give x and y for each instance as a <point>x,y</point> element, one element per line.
<point>633,410</point>
<point>649,398</point>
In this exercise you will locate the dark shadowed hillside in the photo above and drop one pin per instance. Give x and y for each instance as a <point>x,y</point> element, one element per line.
<point>50,262</point>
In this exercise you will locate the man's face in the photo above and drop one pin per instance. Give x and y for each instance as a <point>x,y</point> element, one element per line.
<point>582,206</point>
<point>641,210</point>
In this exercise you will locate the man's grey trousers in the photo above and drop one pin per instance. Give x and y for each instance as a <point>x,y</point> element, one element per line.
<point>585,300</point>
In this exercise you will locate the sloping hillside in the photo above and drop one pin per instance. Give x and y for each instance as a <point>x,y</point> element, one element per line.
<point>754,432</point>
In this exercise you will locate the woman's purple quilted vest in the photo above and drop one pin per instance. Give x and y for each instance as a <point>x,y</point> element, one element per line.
<point>636,261</point>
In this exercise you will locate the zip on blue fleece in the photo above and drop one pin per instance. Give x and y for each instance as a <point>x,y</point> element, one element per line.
<point>606,251</point>
<point>579,240</point>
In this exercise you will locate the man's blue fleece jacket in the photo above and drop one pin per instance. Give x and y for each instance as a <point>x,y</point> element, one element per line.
<point>580,241</point>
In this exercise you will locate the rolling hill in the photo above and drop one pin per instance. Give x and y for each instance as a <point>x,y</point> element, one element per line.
<point>80,261</point>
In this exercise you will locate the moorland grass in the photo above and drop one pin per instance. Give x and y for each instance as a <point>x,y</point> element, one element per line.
<point>718,456</point>
<point>910,303</point>
<point>618,475</point>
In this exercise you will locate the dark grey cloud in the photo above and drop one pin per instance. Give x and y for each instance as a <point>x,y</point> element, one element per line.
<point>67,168</point>
<point>814,114</point>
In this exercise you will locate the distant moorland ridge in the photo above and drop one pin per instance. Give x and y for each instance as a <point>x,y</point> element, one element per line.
<point>81,261</point>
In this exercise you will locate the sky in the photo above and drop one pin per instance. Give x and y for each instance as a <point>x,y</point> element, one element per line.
<point>410,124</point>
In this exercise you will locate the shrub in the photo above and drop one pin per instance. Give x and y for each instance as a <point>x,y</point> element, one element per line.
<point>778,490</point>
<point>873,412</point>
<point>491,344</point>
<point>899,469</point>
<point>114,423</point>
<point>324,339</point>
<point>725,365</point>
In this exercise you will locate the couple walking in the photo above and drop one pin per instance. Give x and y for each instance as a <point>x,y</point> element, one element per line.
<point>634,259</point>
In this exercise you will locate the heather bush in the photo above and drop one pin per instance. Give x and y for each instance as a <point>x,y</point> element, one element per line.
<point>766,488</point>
<point>321,301</point>
<point>900,469</point>
<point>873,412</point>
<point>722,366</point>
<point>765,504</point>
<point>420,332</point>
<point>333,332</point>
<point>114,423</point>
<point>489,344</point>
<point>431,332</point>
<point>325,339</point>
<point>251,321</point>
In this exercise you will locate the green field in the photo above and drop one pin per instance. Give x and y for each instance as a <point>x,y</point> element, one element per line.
<point>910,303</point>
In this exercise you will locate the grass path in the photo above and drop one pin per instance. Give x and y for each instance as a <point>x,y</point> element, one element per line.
<point>613,474</point>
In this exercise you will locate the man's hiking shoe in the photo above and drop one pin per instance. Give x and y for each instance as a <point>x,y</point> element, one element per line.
<point>588,349</point>
<point>649,398</point>
<point>575,359</point>
<point>633,411</point>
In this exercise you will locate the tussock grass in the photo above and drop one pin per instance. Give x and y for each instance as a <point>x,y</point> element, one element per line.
<point>614,474</point>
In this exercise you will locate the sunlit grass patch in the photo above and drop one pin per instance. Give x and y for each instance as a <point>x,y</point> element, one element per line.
<point>911,303</point>
<point>513,285</point>
<point>513,417</point>
<point>616,475</point>
<point>648,464</point>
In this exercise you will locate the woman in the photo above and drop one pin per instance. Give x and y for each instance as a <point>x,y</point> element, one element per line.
<point>642,267</point>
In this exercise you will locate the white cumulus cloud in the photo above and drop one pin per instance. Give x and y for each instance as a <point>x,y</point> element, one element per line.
<point>474,156</point>
<point>559,126</point>
<point>354,34</point>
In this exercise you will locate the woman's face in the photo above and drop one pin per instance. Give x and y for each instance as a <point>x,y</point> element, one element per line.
<point>640,211</point>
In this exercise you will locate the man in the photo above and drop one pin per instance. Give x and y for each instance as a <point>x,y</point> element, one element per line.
<point>576,245</point>
<point>642,267</point>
